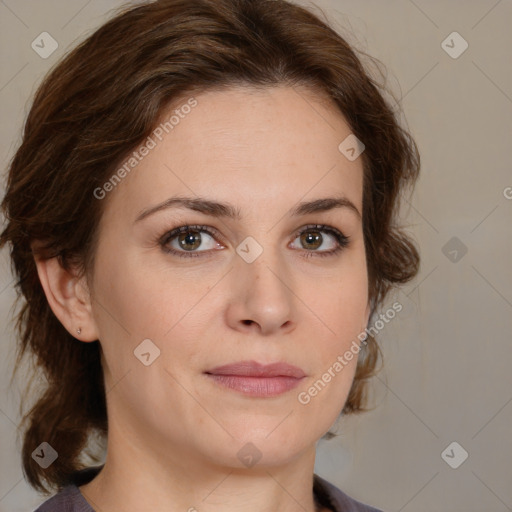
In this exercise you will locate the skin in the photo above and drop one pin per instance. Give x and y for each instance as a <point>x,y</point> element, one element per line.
<point>174,434</point>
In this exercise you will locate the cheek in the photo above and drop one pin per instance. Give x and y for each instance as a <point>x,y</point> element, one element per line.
<point>336,354</point>
<point>135,302</point>
<point>342,305</point>
<point>135,299</point>
<point>342,300</point>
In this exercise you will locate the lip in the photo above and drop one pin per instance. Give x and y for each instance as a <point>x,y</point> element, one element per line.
<point>256,379</point>
<point>255,369</point>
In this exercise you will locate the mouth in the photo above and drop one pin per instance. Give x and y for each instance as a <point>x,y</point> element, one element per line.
<point>258,380</point>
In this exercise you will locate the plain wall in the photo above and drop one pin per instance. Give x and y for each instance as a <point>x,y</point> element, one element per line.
<point>448,353</point>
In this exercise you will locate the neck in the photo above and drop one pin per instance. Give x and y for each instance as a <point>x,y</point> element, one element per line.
<point>146,478</point>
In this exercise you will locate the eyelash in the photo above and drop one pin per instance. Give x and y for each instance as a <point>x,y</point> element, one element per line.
<point>343,240</point>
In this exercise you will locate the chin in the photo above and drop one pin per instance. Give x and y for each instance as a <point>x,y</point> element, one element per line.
<point>268,447</point>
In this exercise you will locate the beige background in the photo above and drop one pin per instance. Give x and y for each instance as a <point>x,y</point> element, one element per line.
<point>448,353</point>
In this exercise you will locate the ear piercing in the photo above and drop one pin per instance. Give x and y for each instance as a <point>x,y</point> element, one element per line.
<point>79,330</point>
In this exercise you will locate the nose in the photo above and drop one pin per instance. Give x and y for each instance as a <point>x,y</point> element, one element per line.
<point>262,298</point>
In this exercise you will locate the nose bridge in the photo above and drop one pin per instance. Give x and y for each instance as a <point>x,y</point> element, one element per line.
<point>263,266</point>
<point>263,283</point>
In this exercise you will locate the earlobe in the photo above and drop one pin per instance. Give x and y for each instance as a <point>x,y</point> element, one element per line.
<point>68,297</point>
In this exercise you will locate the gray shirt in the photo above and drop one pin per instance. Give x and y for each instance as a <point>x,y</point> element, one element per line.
<point>70,499</point>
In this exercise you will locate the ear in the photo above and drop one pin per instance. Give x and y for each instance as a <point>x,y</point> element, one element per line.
<point>68,297</point>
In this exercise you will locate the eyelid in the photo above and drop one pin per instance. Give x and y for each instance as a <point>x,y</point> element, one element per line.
<point>171,233</point>
<point>320,227</point>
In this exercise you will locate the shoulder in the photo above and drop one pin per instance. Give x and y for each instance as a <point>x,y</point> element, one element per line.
<point>336,498</point>
<point>70,499</point>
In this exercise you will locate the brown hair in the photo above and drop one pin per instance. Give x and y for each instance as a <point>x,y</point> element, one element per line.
<point>100,102</point>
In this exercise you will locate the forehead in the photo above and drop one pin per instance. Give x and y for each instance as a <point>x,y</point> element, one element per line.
<point>271,145</point>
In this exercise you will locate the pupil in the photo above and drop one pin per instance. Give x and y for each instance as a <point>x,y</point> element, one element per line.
<point>313,237</point>
<point>188,239</point>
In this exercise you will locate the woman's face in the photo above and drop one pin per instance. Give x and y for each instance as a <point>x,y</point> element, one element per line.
<point>261,286</point>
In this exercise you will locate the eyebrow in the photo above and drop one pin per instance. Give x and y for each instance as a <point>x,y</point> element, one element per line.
<point>226,210</point>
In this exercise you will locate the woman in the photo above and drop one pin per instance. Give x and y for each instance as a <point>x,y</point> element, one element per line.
<point>202,223</point>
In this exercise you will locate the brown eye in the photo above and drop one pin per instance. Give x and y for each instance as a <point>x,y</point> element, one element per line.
<point>189,241</point>
<point>311,239</point>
